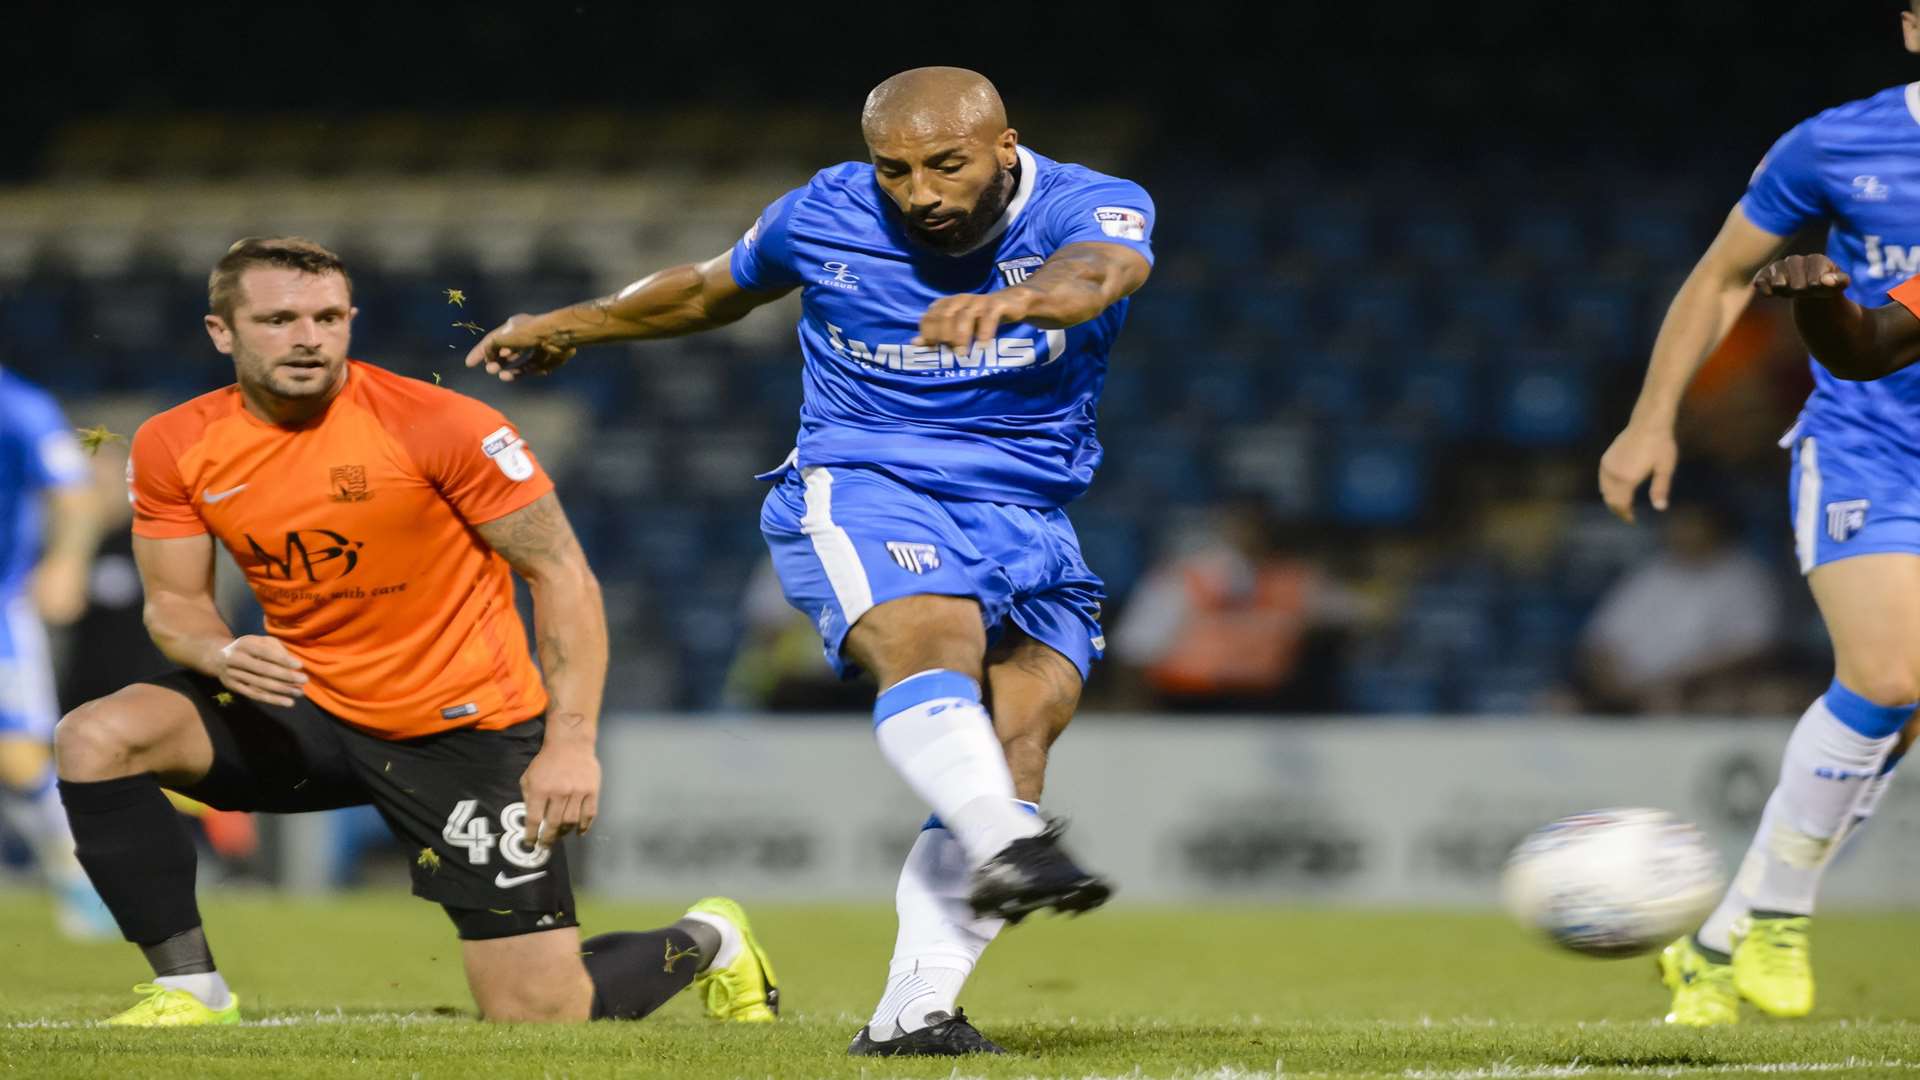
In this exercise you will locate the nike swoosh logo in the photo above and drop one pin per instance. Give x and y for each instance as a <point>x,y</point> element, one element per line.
<point>216,496</point>
<point>502,881</point>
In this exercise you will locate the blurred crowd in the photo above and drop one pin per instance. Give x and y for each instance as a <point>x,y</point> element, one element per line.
<point>1351,429</point>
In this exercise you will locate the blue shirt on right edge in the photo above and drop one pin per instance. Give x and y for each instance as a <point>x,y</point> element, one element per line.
<point>1855,167</point>
<point>1011,420</point>
<point>37,451</point>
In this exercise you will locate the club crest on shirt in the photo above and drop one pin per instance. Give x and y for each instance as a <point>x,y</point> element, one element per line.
<point>1844,519</point>
<point>1015,271</point>
<point>348,483</point>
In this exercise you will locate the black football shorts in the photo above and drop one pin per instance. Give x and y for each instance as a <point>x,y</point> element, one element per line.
<point>453,798</point>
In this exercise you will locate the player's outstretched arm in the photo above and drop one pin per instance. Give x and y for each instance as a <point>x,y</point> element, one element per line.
<point>1078,283</point>
<point>679,300</point>
<point>1851,341</point>
<point>1706,307</point>
<point>184,621</point>
<point>562,785</point>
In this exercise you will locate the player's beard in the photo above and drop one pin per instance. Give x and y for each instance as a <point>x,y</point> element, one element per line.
<point>297,376</point>
<point>967,232</point>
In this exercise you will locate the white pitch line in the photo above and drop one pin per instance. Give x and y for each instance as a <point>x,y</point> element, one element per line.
<point>1511,1071</point>
<point>299,1020</point>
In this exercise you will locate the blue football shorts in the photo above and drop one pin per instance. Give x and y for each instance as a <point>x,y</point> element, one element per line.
<point>845,538</point>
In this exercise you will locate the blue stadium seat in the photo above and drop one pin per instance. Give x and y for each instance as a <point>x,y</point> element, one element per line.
<point>1441,238</point>
<point>1221,386</point>
<point>1440,394</point>
<point>1336,234</point>
<point>1327,386</point>
<point>1276,306</point>
<point>1113,548</point>
<point>1598,313</point>
<point>1548,236</point>
<point>1451,623</point>
<point>1377,480</point>
<point>1397,689</point>
<point>1543,401</point>
<point>1498,309</point>
<point>34,317</point>
<point>1169,468</point>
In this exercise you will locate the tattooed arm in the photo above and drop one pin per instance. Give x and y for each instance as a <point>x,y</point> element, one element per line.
<point>679,300</point>
<point>562,786</point>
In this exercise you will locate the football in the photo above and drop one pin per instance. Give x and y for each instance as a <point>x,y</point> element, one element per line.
<point>1613,882</point>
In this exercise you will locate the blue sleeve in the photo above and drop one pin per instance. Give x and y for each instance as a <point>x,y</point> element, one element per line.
<point>1786,192</point>
<point>46,444</point>
<point>763,258</point>
<point>1106,211</point>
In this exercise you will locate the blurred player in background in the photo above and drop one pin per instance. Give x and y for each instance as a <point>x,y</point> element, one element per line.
<point>379,522</point>
<point>960,294</point>
<point>49,526</point>
<point>1855,507</point>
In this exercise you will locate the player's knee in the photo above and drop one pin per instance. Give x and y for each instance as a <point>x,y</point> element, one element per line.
<point>93,742</point>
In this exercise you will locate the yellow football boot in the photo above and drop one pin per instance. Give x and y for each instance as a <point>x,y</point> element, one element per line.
<point>165,1006</point>
<point>744,991</point>
<point>1773,965</point>
<point>1703,993</point>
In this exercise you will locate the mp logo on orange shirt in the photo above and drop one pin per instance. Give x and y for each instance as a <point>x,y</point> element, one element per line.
<point>317,554</point>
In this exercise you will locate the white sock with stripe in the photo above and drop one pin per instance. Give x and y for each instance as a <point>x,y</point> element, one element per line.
<point>1833,760</point>
<point>933,730</point>
<point>940,938</point>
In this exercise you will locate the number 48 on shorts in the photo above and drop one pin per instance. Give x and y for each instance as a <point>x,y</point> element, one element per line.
<point>473,831</point>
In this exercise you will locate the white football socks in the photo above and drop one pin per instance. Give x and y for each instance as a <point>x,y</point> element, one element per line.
<point>934,732</point>
<point>940,938</point>
<point>208,986</point>
<point>1832,770</point>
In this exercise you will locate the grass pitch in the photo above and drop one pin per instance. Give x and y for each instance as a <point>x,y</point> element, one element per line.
<point>371,985</point>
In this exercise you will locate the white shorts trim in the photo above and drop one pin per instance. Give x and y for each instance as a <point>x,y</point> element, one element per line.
<point>1806,525</point>
<point>834,547</point>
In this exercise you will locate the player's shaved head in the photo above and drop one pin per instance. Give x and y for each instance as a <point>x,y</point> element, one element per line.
<point>942,151</point>
<point>930,102</point>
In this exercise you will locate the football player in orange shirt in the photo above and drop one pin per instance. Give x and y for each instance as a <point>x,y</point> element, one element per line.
<point>379,521</point>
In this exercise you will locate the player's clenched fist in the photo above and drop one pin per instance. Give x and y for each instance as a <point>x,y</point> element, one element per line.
<point>1801,275</point>
<point>959,321</point>
<point>259,667</point>
<point>517,347</point>
<point>562,789</point>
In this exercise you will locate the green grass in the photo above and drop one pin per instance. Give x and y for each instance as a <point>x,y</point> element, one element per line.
<point>371,986</point>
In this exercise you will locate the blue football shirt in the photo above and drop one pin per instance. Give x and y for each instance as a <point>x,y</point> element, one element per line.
<point>37,452</point>
<point>1856,169</point>
<point>1009,421</point>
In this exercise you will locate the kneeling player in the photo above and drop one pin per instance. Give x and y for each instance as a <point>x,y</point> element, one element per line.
<point>379,521</point>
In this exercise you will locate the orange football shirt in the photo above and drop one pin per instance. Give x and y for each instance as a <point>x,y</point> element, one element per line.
<point>355,530</point>
<point>1907,294</point>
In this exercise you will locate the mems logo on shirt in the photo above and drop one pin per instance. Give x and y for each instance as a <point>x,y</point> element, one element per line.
<point>509,451</point>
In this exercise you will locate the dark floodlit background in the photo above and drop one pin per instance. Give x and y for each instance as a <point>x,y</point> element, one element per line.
<point>1411,261</point>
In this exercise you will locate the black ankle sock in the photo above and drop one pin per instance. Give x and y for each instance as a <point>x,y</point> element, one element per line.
<point>634,974</point>
<point>137,853</point>
<point>185,953</point>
